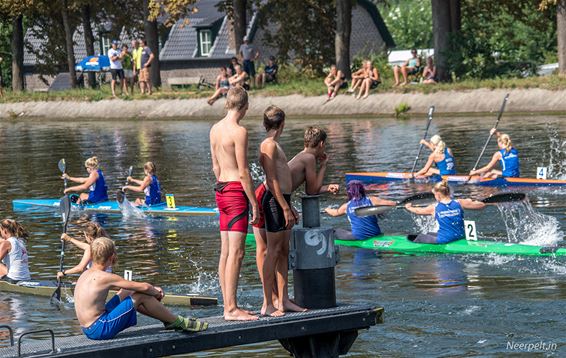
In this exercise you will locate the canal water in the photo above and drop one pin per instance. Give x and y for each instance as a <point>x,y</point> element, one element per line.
<point>437,305</point>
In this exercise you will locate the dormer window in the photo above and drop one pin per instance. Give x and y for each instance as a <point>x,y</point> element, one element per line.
<point>205,37</point>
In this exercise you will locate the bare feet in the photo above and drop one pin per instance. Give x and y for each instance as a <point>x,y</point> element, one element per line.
<point>239,315</point>
<point>272,311</point>
<point>403,83</point>
<point>365,96</point>
<point>290,306</point>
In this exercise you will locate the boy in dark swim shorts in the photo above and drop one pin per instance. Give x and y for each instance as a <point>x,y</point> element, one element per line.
<point>279,215</point>
<point>100,320</point>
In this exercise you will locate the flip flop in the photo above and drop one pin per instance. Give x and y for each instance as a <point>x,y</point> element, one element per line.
<point>187,324</point>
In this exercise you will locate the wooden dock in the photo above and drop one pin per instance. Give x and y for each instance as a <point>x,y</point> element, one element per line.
<point>327,332</point>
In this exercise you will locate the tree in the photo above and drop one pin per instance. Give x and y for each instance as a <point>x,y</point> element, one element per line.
<point>560,30</point>
<point>343,32</point>
<point>70,51</point>
<point>239,22</point>
<point>89,39</point>
<point>445,22</point>
<point>409,21</point>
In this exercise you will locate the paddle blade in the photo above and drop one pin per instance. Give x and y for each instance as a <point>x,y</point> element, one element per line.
<point>372,210</point>
<point>62,166</point>
<point>130,170</point>
<point>430,111</point>
<point>504,198</point>
<point>56,296</point>
<point>420,197</point>
<point>65,207</point>
<point>120,196</point>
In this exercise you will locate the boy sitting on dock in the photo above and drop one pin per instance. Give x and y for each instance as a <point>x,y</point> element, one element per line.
<point>104,320</point>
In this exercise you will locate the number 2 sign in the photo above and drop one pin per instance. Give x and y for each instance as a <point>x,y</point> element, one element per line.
<point>470,228</point>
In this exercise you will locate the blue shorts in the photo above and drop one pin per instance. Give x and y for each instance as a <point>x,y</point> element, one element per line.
<point>118,317</point>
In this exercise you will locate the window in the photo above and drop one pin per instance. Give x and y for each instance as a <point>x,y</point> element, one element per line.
<point>205,42</point>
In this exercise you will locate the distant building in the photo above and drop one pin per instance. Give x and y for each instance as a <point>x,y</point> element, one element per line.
<point>200,47</point>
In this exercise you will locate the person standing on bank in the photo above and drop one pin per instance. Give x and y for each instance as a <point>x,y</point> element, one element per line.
<point>116,69</point>
<point>146,58</point>
<point>249,54</point>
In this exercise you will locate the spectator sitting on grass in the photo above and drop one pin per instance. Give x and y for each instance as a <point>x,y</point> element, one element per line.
<point>231,67</point>
<point>239,78</point>
<point>370,81</point>
<point>358,77</point>
<point>222,85</point>
<point>334,81</point>
<point>269,73</point>
<point>410,67</point>
<point>429,72</point>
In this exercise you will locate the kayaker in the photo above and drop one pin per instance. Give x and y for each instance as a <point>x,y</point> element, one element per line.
<point>149,185</point>
<point>91,231</point>
<point>507,155</point>
<point>101,320</point>
<point>94,183</point>
<point>14,265</point>
<point>362,227</point>
<point>441,156</point>
<point>449,214</point>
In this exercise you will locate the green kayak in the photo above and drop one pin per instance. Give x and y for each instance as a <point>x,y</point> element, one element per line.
<point>399,244</point>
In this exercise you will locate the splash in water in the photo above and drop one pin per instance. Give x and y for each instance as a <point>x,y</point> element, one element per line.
<point>129,210</point>
<point>425,223</point>
<point>526,226</point>
<point>256,172</point>
<point>556,156</point>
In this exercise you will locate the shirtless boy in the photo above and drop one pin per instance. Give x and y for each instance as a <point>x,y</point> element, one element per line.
<point>234,188</point>
<point>279,215</point>
<point>303,170</point>
<point>104,320</point>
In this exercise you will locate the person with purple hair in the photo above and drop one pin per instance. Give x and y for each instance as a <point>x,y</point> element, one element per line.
<point>362,227</point>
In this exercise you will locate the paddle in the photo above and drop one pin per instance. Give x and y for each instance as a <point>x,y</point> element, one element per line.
<point>121,195</point>
<point>490,134</point>
<point>430,112</point>
<point>65,207</point>
<point>504,198</point>
<point>63,168</point>
<point>378,210</point>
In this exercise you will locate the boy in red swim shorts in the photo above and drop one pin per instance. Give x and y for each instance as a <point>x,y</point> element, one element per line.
<point>234,190</point>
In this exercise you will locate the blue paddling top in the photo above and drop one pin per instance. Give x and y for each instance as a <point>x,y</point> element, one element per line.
<point>446,166</point>
<point>450,218</point>
<point>153,192</point>
<point>98,191</point>
<point>362,227</point>
<point>510,163</point>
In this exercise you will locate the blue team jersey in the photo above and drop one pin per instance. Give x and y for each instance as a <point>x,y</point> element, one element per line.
<point>446,166</point>
<point>450,218</point>
<point>98,191</point>
<point>362,227</point>
<point>153,192</point>
<point>510,163</point>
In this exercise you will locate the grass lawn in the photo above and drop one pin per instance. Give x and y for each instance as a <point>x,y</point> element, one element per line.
<point>306,87</point>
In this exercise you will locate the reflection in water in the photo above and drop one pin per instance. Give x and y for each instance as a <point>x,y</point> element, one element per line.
<point>439,275</point>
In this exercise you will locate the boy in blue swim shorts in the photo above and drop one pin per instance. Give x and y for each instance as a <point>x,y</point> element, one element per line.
<point>104,320</point>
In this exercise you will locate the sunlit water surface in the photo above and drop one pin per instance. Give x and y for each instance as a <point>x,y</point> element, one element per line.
<point>435,305</point>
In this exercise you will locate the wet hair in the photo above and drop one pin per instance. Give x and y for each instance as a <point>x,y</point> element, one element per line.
<point>237,98</point>
<point>273,118</point>
<point>506,141</point>
<point>91,162</point>
<point>442,188</point>
<point>14,228</point>
<point>150,167</point>
<point>355,190</point>
<point>102,250</point>
<point>314,136</point>
<point>94,230</point>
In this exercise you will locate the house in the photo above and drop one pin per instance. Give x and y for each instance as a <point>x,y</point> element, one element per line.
<point>206,42</point>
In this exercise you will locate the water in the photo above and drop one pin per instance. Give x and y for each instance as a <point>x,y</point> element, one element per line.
<point>435,305</point>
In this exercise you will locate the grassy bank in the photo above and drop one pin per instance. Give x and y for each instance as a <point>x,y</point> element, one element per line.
<point>307,87</point>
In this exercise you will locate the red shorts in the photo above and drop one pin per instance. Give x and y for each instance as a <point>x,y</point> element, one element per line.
<point>233,206</point>
<point>259,194</point>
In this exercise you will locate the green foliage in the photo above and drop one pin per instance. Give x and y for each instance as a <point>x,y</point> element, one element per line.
<point>509,42</point>
<point>302,28</point>
<point>6,54</point>
<point>409,21</point>
<point>377,60</point>
<point>401,110</point>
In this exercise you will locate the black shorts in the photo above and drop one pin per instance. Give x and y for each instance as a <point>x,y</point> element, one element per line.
<point>270,78</point>
<point>374,84</point>
<point>249,68</point>
<point>274,217</point>
<point>117,73</point>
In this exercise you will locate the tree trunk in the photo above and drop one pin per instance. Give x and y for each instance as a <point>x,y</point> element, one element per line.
<point>17,54</point>
<point>69,45</point>
<point>561,34</point>
<point>240,23</point>
<point>455,16</point>
<point>89,41</point>
<point>342,38</point>
<point>441,31</point>
<point>152,37</point>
